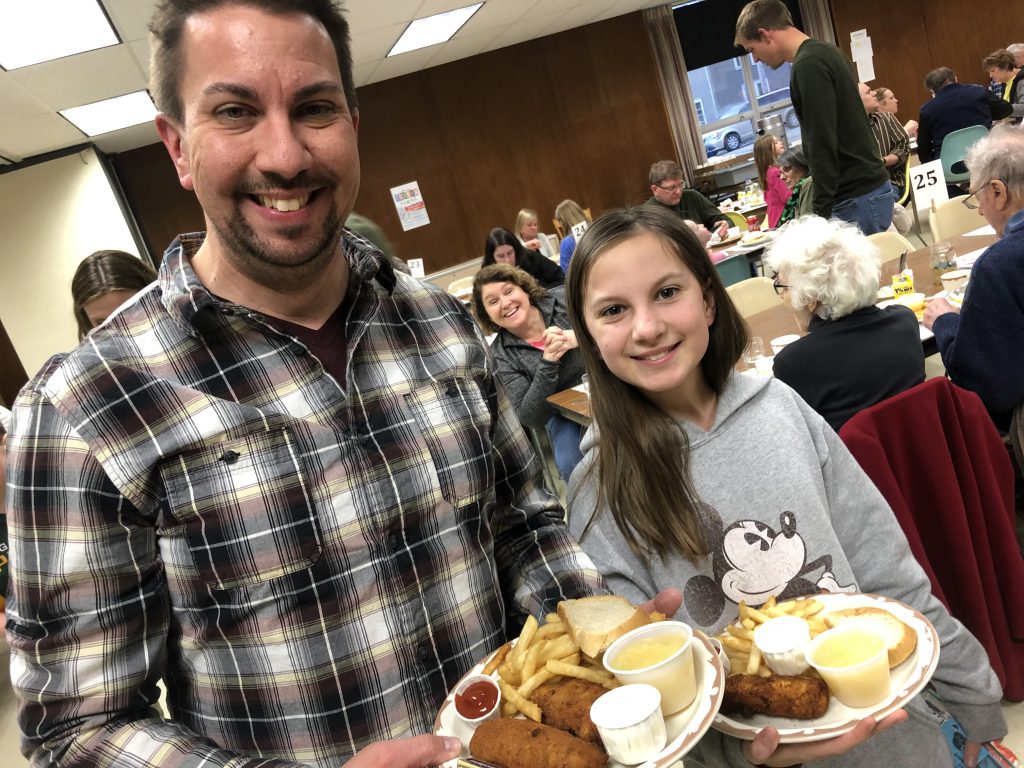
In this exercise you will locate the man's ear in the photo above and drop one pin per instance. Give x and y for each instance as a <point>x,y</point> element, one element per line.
<point>172,135</point>
<point>999,194</point>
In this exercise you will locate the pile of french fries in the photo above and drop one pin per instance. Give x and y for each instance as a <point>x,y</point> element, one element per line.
<point>539,654</point>
<point>738,639</point>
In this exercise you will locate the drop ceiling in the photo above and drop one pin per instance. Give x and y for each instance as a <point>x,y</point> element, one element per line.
<point>30,97</point>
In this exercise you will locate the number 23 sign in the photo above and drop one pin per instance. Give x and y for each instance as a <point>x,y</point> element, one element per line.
<point>929,184</point>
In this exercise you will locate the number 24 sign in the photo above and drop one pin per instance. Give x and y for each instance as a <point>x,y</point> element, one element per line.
<point>929,184</point>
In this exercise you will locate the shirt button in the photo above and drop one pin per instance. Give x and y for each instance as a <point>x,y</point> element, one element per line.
<point>422,652</point>
<point>393,542</point>
<point>301,351</point>
<point>229,457</point>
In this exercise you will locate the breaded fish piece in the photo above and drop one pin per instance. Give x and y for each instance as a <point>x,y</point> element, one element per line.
<point>565,704</point>
<point>515,743</point>
<point>798,697</point>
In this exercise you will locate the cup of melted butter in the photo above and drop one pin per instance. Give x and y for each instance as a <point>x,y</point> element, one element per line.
<point>854,663</point>
<point>658,654</point>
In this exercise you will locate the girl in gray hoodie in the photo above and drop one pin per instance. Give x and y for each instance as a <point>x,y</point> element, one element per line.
<point>730,487</point>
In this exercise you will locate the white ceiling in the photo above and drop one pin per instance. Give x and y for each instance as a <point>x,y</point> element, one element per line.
<point>31,96</point>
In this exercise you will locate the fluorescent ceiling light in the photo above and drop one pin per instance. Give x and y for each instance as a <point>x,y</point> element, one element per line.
<point>111,114</point>
<point>433,29</point>
<point>32,31</point>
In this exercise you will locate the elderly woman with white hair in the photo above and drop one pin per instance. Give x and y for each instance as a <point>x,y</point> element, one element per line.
<point>854,354</point>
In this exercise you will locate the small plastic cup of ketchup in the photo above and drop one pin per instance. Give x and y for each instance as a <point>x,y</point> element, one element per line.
<point>477,698</point>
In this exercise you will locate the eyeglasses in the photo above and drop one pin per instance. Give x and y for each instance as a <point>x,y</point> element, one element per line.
<point>779,287</point>
<point>971,201</point>
<point>671,187</point>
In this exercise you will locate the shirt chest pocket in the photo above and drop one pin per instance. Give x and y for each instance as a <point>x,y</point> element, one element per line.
<point>454,419</point>
<point>244,509</point>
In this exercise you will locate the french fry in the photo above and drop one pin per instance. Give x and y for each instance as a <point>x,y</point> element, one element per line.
<point>524,705</point>
<point>535,680</point>
<point>769,603</point>
<point>552,617</point>
<point>739,643</point>
<point>759,616</point>
<point>496,659</point>
<point>657,616</point>
<point>754,661</point>
<point>558,648</point>
<point>507,673</point>
<point>549,631</point>
<point>530,665</point>
<point>583,673</point>
<point>743,632</point>
<point>523,643</point>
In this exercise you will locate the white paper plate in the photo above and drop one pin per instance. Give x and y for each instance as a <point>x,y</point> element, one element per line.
<point>907,681</point>
<point>684,728</point>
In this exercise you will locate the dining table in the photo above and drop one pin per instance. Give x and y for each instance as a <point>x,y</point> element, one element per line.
<point>780,320</point>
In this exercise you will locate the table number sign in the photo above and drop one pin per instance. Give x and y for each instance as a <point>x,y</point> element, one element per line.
<point>928,184</point>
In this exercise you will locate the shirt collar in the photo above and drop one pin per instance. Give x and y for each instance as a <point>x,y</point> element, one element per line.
<point>193,306</point>
<point>1015,222</point>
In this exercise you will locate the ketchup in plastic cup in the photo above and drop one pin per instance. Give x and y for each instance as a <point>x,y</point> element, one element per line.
<point>477,700</point>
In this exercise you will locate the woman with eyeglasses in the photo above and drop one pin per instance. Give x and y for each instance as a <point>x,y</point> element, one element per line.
<point>854,354</point>
<point>796,173</point>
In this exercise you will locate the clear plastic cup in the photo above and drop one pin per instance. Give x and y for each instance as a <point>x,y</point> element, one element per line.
<point>854,663</point>
<point>668,647</point>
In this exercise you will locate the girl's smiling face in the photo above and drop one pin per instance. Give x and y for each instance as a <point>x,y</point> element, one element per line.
<point>649,318</point>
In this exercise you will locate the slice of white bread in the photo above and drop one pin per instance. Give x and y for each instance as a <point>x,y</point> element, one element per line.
<point>900,639</point>
<point>596,622</point>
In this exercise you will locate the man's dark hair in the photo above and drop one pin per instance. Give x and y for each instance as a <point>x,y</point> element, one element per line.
<point>168,24</point>
<point>761,14</point>
<point>937,78</point>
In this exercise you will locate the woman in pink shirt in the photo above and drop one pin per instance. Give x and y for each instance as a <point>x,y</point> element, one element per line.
<point>766,151</point>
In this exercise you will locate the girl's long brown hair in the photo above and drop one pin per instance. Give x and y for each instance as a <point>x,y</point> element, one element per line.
<point>764,158</point>
<point>642,467</point>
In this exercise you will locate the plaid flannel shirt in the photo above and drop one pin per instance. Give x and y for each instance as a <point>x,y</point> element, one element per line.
<point>310,565</point>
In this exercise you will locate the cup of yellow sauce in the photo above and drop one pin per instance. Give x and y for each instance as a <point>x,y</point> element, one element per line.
<point>658,654</point>
<point>853,663</point>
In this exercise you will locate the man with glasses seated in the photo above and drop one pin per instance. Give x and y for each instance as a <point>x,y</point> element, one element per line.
<point>982,343</point>
<point>669,190</point>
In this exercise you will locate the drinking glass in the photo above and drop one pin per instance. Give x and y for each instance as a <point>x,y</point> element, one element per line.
<point>755,349</point>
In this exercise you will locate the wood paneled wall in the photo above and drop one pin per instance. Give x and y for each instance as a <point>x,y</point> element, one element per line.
<point>578,114</point>
<point>912,37</point>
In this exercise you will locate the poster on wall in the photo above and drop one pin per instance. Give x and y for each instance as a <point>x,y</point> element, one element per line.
<point>412,211</point>
<point>863,54</point>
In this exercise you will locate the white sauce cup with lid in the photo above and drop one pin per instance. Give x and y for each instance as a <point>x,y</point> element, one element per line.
<point>782,641</point>
<point>630,723</point>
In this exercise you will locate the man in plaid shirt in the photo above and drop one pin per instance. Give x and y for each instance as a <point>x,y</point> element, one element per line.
<point>283,479</point>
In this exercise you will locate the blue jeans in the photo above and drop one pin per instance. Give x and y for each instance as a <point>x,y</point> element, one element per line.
<point>565,442</point>
<point>871,212</point>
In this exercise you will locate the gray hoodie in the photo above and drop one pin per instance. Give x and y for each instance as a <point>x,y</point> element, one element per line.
<point>790,512</point>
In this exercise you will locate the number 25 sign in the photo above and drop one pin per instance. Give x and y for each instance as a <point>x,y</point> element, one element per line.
<point>929,184</point>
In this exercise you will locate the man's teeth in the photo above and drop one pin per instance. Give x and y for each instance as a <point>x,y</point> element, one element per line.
<point>283,205</point>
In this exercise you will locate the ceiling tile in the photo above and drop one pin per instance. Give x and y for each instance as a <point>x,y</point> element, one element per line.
<point>17,102</point>
<point>37,135</point>
<point>128,138</point>
<point>130,17</point>
<point>83,79</point>
<point>140,52</point>
<point>464,46</point>
<point>366,15</point>
<point>375,44</point>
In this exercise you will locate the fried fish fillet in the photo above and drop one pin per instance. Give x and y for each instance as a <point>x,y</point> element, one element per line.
<point>566,702</point>
<point>514,743</point>
<point>798,697</point>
